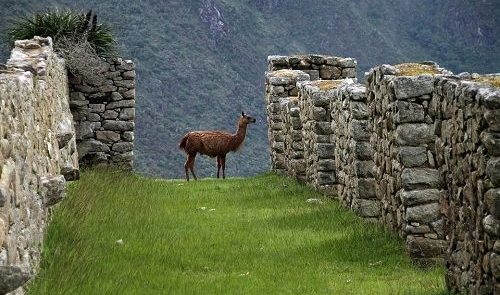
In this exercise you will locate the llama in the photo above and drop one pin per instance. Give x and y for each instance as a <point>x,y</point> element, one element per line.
<point>213,144</point>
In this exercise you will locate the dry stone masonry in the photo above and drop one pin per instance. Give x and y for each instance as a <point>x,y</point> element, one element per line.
<point>38,154</point>
<point>416,148</point>
<point>40,148</point>
<point>104,113</point>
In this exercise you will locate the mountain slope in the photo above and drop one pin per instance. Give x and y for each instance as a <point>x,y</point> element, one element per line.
<point>200,63</point>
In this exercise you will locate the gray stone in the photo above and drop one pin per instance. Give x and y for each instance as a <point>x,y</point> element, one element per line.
<point>491,226</point>
<point>97,107</point>
<point>326,165</point>
<point>364,169</point>
<point>118,125</point>
<point>11,278</point>
<point>492,142</point>
<point>52,189</point>
<point>325,150</point>
<point>357,92</point>
<point>493,119</point>
<point>363,150</point>
<point>412,198</point>
<point>325,178</point>
<point>359,110</point>
<point>70,173</point>
<point>107,136</point>
<point>122,147</point>
<point>495,265</point>
<point>93,117</point>
<point>91,146</point>
<point>3,196</point>
<point>349,73</point>
<point>424,247</point>
<point>127,103</point>
<point>63,138</point>
<point>126,66</point>
<point>84,130</point>
<point>421,229</point>
<point>420,178</point>
<point>360,130</point>
<point>323,128</point>
<point>313,74</point>
<point>492,100</point>
<point>128,136</point>
<point>413,156</point>
<point>128,75</point>
<point>107,88</point>
<point>127,114</point>
<point>115,96</point>
<point>366,188</point>
<point>492,202</point>
<point>125,83</point>
<point>406,86</point>
<point>347,62</point>
<point>110,114</point>
<point>326,71</point>
<point>415,134</point>
<point>366,208</point>
<point>320,99</point>
<point>493,171</point>
<point>407,112</point>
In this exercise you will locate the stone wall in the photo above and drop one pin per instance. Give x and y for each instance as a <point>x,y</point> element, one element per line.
<point>37,154</point>
<point>417,149</point>
<point>104,113</point>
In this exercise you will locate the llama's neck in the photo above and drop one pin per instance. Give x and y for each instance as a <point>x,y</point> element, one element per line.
<point>239,136</point>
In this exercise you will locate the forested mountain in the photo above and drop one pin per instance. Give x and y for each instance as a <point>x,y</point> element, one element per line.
<point>201,62</point>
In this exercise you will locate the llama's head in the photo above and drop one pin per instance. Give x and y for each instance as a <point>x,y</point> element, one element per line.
<point>245,120</point>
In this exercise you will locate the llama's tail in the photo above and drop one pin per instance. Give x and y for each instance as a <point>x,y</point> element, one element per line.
<point>182,145</point>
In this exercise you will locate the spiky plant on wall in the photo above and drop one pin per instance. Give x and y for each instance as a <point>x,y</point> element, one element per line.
<point>78,38</point>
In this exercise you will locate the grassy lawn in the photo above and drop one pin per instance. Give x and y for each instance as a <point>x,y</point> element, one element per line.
<point>239,236</point>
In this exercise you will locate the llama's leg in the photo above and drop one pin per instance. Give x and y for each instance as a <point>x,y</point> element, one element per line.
<point>186,167</point>
<point>223,163</point>
<point>218,165</point>
<point>191,166</point>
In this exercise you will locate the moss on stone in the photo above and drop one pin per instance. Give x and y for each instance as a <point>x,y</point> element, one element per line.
<point>490,80</point>
<point>415,69</point>
<point>327,84</point>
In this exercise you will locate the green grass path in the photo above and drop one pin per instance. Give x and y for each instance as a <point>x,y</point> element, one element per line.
<point>239,236</point>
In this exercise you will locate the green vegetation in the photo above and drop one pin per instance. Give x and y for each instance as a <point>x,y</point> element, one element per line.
<point>65,24</point>
<point>415,69</point>
<point>189,81</point>
<point>239,236</point>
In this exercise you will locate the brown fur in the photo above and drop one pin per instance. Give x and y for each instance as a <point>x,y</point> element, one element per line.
<point>213,144</point>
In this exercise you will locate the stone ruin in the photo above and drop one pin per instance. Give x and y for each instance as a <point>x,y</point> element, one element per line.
<point>415,148</point>
<point>40,149</point>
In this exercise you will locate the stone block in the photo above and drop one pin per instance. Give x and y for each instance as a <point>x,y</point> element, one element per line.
<point>420,178</point>
<point>326,165</point>
<point>127,114</point>
<point>424,247</point>
<point>364,169</point>
<point>107,136</point>
<point>118,125</point>
<point>413,156</point>
<point>128,136</point>
<point>366,188</point>
<point>412,198</point>
<point>415,134</point>
<point>491,226</point>
<point>363,150</point>
<point>322,128</point>
<point>122,147</point>
<point>492,202</point>
<point>360,130</point>
<point>408,112</point>
<point>349,73</point>
<point>492,142</point>
<point>326,71</point>
<point>325,178</point>
<point>413,86</point>
<point>91,146</point>
<point>426,213</point>
<point>129,94</point>
<point>126,103</point>
<point>52,189</point>
<point>359,110</point>
<point>313,74</point>
<point>493,171</point>
<point>325,150</point>
<point>367,208</point>
<point>11,278</point>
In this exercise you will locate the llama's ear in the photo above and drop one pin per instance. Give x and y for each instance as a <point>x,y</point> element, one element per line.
<point>242,114</point>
